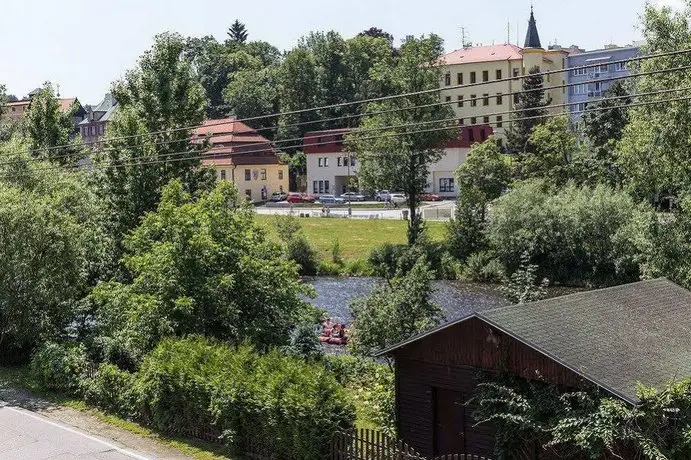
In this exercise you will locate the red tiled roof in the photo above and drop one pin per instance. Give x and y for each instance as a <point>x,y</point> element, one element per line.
<point>223,126</point>
<point>66,104</point>
<point>241,139</point>
<point>483,54</point>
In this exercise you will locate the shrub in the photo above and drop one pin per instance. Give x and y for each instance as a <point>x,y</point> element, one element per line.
<point>384,259</point>
<point>390,260</point>
<point>299,250</point>
<point>280,404</point>
<point>112,390</point>
<point>357,267</point>
<point>483,267</point>
<point>59,367</point>
<point>449,267</point>
<point>304,343</point>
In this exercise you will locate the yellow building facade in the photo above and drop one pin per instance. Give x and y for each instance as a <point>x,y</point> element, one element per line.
<point>493,75</point>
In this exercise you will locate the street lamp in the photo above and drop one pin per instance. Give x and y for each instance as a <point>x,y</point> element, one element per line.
<point>350,196</point>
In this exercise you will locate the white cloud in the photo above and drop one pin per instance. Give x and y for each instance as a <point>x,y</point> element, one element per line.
<point>675,4</point>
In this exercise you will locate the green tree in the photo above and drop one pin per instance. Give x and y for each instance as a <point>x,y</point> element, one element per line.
<point>522,285</point>
<point>47,127</point>
<point>252,93</point>
<point>237,32</point>
<point>163,96</point>
<point>554,148</point>
<point>212,65</point>
<point>297,91</point>
<point>481,179</point>
<point>399,158</point>
<point>529,112</point>
<point>376,32</point>
<point>200,266</point>
<point>395,311</point>
<point>653,152</point>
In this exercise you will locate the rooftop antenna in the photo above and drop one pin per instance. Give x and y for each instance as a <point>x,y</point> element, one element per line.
<point>508,32</point>
<point>464,37</point>
<point>58,89</point>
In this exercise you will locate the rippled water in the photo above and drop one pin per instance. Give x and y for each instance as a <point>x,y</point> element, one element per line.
<point>456,298</point>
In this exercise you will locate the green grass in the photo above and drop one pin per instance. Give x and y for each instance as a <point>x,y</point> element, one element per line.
<point>356,237</point>
<point>20,378</point>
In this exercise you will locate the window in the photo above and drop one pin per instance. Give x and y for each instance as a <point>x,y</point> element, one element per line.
<point>620,66</point>
<point>326,162</point>
<point>92,130</point>
<point>352,162</point>
<point>516,72</point>
<point>263,174</point>
<point>460,121</point>
<point>248,194</point>
<point>500,98</point>
<point>280,174</point>
<point>485,99</point>
<point>473,77</point>
<point>326,186</point>
<point>460,101</point>
<point>315,187</point>
<point>446,185</point>
<point>516,98</point>
<point>498,74</point>
<point>339,161</point>
<point>320,162</point>
<point>580,89</point>
<point>321,187</point>
<point>14,109</point>
<point>459,78</point>
<point>604,68</point>
<point>473,120</point>
<point>473,100</point>
<point>448,98</point>
<point>101,129</point>
<point>485,119</point>
<point>581,107</point>
<point>447,79</point>
<point>223,174</point>
<point>500,121</point>
<point>580,72</point>
<point>485,75</point>
<point>345,161</point>
<point>248,175</point>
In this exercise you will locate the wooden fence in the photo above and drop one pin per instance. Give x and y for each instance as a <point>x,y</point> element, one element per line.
<point>365,444</point>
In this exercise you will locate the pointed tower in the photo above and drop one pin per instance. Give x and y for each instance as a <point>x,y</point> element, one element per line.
<point>532,38</point>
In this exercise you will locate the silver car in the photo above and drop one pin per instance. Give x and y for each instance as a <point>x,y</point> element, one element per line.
<point>353,196</point>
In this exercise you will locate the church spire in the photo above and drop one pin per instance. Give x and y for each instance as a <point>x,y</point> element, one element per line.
<point>532,39</point>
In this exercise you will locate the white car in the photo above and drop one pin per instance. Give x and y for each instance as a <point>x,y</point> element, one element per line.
<point>398,198</point>
<point>353,196</point>
<point>382,195</point>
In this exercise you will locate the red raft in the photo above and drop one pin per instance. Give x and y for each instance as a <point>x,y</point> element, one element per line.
<point>335,334</point>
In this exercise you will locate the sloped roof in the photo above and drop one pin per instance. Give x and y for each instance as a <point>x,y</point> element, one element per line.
<point>614,337</point>
<point>532,38</point>
<point>222,126</point>
<point>489,53</point>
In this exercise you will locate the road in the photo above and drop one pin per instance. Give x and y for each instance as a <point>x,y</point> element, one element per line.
<point>434,211</point>
<point>26,435</point>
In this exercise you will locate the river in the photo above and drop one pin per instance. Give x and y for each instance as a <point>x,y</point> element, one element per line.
<point>456,298</point>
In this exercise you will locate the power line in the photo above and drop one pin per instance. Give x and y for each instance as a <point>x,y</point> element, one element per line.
<point>198,155</point>
<point>378,99</point>
<point>275,145</point>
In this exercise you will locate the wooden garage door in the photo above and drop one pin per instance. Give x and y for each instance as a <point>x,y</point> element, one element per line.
<point>449,422</point>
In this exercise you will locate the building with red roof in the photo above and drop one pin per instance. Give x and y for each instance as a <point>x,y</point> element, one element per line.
<point>241,155</point>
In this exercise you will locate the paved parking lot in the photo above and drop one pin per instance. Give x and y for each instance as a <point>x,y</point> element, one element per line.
<point>26,435</point>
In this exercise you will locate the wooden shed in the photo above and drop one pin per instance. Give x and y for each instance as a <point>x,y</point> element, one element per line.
<point>612,338</point>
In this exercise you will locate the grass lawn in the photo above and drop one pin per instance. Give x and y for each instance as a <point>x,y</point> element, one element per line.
<point>20,378</point>
<point>356,237</point>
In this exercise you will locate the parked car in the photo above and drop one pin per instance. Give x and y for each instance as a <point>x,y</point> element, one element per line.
<point>308,198</point>
<point>278,196</point>
<point>382,195</point>
<point>330,199</point>
<point>295,198</point>
<point>353,196</point>
<point>430,197</point>
<point>398,198</point>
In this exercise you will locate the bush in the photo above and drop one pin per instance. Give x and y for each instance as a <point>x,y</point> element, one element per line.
<point>449,267</point>
<point>277,403</point>
<point>384,259</point>
<point>304,343</point>
<point>112,390</point>
<point>299,250</point>
<point>59,367</point>
<point>357,267</point>
<point>390,260</point>
<point>482,267</point>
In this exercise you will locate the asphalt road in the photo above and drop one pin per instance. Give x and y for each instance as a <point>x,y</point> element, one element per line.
<point>26,435</point>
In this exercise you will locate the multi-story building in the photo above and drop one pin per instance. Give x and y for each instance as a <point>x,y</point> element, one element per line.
<point>15,112</point>
<point>330,167</point>
<point>93,127</point>
<point>495,70</point>
<point>589,84</point>
<point>240,155</point>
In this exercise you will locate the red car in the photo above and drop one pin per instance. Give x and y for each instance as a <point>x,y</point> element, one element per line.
<point>430,197</point>
<point>300,198</point>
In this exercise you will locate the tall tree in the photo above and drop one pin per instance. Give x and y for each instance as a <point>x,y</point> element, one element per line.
<point>238,32</point>
<point>653,153</point>
<point>297,91</point>
<point>528,112</point>
<point>376,32</point>
<point>554,149</point>
<point>47,127</point>
<point>399,158</point>
<point>162,95</point>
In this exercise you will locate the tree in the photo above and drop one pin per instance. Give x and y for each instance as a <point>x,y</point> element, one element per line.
<point>395,311</point>
<point>252,93</point>
<point>521,286</point>
<point>297,91</point>
<point>481,179</point>
<point>237,32</point>
<point>47,127</point>
<point>653,152</point>
<point>392,154</point>
<point>376,32</point>
<point>163,96</point>
<point>212,65</point>
<point>200,266</point>
<point>554,149</point>
<point>530,111</point>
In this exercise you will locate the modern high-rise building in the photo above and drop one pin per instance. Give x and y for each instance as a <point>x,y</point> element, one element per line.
<point>589,84</point>
<point>497,69</point>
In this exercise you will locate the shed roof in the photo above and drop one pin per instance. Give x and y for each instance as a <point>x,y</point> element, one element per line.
<point>615,337</point>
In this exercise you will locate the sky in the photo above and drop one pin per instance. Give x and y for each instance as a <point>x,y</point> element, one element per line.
<point>85,45</point>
